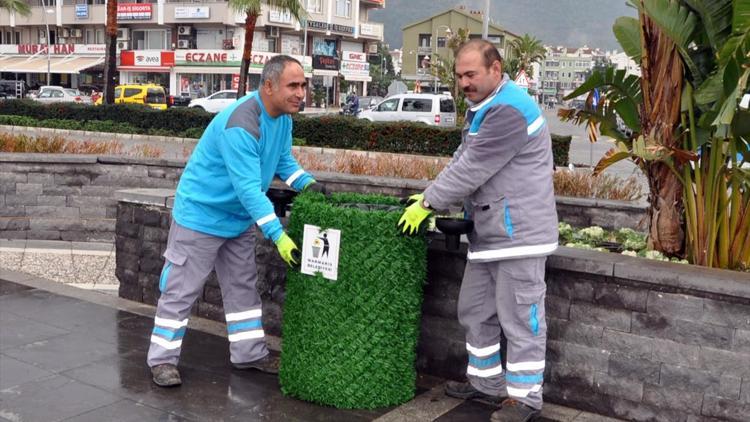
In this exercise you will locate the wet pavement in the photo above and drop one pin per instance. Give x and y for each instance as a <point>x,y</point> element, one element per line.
<point>68,354</point>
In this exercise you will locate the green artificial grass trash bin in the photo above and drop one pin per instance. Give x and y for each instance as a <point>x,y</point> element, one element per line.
<point>351,343</point>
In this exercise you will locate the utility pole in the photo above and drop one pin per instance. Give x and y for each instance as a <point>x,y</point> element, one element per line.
<point>486,20</point>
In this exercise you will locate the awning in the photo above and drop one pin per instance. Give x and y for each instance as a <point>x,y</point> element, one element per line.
<point>38,64</point>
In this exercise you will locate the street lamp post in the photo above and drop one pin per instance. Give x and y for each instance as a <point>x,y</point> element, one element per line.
<point>46,25</point>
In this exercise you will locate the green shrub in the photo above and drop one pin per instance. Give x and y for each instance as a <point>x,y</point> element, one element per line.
<point>561,149</point>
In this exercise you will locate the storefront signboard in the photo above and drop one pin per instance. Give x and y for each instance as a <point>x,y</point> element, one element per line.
<point>324,26</point>
<point>56,49</point>
<point>226,58</point>
<point>82,11</point>
<point>370,30</point>
<point>147,58</point>
<point>192,12</point>
<point>325,63</point>
<point>134,11</point>
<point>280,16</point>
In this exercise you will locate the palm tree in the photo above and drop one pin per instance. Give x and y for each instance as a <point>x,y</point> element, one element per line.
<point>694,57</point>
<point>18,6</point>
<point>110,61</point>
<point>252,9</point>
<point>528,50</point>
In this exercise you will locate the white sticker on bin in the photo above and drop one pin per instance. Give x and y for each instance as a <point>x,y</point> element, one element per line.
<point>320,251</point>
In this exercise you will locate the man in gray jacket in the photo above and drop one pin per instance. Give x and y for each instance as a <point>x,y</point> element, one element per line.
<point>503,172</point>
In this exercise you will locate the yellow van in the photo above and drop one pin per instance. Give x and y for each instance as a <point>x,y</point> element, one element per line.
<point>151,95</point>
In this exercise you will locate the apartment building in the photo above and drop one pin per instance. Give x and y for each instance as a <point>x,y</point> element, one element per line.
<point>565,68</point>
<point>192,48</point>
<point>426,42</point>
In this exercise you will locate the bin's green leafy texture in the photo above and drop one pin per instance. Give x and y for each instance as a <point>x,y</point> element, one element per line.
<point>351,343</point>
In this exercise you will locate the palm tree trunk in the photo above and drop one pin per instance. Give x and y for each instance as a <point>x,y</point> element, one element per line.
<point>110,62</point>
<point>250,21</point>
<point>662,79</point>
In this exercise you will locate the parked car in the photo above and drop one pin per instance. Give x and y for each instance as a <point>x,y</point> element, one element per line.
<point>151,95</point>
<point>215,102</point>
<point>430,109</point>
<point>182,100</point>
<point>57,94</point>
<point>13,89</point>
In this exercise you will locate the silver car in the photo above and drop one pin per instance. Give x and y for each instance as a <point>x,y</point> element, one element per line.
<point>58,94</point>
<point>430,109</point>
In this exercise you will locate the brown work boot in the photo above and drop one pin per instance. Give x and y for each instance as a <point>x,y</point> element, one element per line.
<point>268,364</point>
<point>166,375</point>
<point>466,391</point>
<point>514,411</point>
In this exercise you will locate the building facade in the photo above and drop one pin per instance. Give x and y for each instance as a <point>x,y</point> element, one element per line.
<point>564,69</point>
<point>192,48</point>
<point>426,42</point>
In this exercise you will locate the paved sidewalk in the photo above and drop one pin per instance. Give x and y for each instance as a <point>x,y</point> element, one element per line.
<point>79,355</point>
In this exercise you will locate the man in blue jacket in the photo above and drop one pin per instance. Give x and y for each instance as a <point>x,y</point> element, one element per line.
<point>219,200</point>
<point>502,171</point>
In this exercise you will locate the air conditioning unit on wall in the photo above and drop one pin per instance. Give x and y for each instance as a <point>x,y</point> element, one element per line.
<point>183,43</point>
<point>123,34</point>
<point>65,32</point>
<point>76,33</point>
<point>184,30</point>
<point>123,45</point>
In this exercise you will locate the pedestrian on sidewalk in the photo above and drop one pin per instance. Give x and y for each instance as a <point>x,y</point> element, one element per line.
<point>219,200</point>
<point>503,172</point>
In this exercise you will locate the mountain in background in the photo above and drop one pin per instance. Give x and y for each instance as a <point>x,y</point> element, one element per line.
<point>569,23</point>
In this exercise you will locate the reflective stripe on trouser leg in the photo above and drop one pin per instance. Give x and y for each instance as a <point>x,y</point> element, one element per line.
<point>477,314</point>
<point>238,276</point>
<point>185,269</point>
<point>520,304</point>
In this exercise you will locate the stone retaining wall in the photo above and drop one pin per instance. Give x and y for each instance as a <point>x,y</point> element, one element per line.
<point>636,339</point>
<point>71,197</point>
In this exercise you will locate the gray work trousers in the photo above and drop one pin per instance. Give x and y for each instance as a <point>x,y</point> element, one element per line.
<point>190,257</point>
<point>505,296</point>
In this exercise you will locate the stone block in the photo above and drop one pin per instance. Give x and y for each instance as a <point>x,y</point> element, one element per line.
<point>125,212</point>
<point>52,200</point>
<point>21,200</point>
<point>43,235</point>
<point>627,344</point>
<point>729,410</point>
<point>726,313</point>
<point>441,307</point>
<point>42,178</point>
<point>72,179</point>
<point>29,188</point>
<point>151,297</point>
<point>93,212</point>
<point>618,387</point>
<point>90,201</point>
<point>583,356</point>
<point>674,353</point>
<point>53,212</point>
<point>151,265</point>
<point>14,234</point>
<point>671,398</point>
<point>557,307</point>
<point>569,376</point>
<point>212,295</point>
<point>128,245</point>
<point>574,332</point>
<point>13,211</point>
<point>54,224</point>
<point>106,225</point>
<point>14,223</point>
<point>155,234</point>
<point>622,297</point>
<point>210,311</point>
<point>571,286</point>
<point>438,355</point>
<point>680,306</point>
<point>745,390</point>
<point>148,216</point>
<point>628,367</point>
<point>149,281</point>
<point>446,264</point>
<point>100,191</point>
<point>132,170</point>
<point>131,292</point>
<point>691,379</point>
<point>726,362</point>
<point>616,319</point>
<point>272,314</point>
<point>704,335</point>
<point>58,190</point>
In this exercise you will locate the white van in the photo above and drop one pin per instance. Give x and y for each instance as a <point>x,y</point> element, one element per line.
<point>430,109</point>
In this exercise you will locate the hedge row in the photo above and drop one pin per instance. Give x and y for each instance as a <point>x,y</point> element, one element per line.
<point>327,131</point>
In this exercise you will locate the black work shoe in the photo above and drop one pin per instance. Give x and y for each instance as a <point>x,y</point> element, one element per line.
<point>514,411</point>
<point>268,364</point>
<point>466,391</point>
<point>166,375</point>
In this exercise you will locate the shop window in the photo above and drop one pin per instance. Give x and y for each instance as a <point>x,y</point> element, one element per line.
<point>315,6</point>
<point>149,39</point>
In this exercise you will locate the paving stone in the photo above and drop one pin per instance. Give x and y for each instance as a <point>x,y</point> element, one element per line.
<point>16,372</point>
<point>668,351</point>
<point>29,188</point>
<point>726,362</point>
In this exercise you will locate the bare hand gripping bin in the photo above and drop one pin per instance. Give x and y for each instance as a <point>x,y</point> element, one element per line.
<point>351,342</point>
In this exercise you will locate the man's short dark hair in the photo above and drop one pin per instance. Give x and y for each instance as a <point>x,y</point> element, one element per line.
<point>273,68</point>
<point>489,52</point>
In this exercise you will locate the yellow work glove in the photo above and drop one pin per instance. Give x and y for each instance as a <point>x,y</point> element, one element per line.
<point>414,215</point>
<point>287,247</point>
